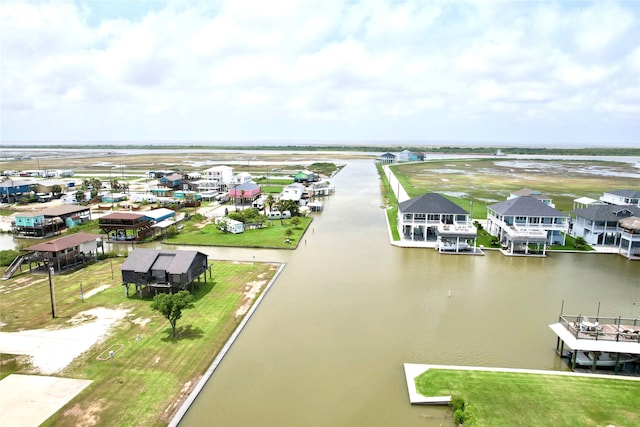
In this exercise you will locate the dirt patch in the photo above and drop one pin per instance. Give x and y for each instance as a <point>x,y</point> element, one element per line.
<point>86,417</point>
<point>250,292</point>
<point>140,321</point>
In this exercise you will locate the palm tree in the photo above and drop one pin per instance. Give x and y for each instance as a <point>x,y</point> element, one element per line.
<point>242,198</point>
<point>270,201</point>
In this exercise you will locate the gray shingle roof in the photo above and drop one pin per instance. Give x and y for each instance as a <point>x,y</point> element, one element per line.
<point>431,203</point>
<point>525,206</point>
<point>610,213</point>
<point>173,262</point>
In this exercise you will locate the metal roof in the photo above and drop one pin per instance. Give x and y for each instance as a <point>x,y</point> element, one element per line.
<point>65,242</point>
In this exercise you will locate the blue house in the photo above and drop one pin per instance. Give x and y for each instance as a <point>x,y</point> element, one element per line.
<point>11,188</point>
<point>171,181</point>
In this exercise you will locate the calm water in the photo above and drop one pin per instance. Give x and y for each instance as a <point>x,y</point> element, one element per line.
<point>326,346</point>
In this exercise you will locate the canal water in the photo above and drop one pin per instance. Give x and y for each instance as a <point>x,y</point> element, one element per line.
<point>327,344</point>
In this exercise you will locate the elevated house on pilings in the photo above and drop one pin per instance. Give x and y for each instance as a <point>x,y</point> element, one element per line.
<point>125,226</point>
<point>595,342</point>
<point>66,252</point>
<point>164,270</point>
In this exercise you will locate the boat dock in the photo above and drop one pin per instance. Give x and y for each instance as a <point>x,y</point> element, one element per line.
<point>613,339</point>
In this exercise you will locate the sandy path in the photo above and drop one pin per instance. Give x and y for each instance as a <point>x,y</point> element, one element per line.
<point>53,349</point>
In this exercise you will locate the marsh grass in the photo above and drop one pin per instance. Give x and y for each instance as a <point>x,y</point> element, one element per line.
<point>488,181</point>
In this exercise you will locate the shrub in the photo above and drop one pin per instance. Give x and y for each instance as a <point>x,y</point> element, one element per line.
<point>456,403</point>
<point>7,257</point>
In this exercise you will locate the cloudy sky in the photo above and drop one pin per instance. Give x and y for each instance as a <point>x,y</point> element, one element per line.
<point>512,72</point>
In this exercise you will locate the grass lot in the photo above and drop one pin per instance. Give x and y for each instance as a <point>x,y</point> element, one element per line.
<point>147,380</point>
<point>508,399</point>
<point>391,203</point>
<point>488,181</point>
<point>273,235</point>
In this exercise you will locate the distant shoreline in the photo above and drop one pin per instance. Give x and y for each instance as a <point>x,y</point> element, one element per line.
<point>446,149</point>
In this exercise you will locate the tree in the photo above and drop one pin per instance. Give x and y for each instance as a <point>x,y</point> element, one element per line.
<point>171,306</point>
<point>56,189</point>
<point>80,197</point>
<point>270,201</point>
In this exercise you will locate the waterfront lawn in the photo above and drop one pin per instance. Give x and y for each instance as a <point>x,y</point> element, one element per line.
<point>391,203</point>
<point>505,398</point>
<point>149,377</point>
<point>273,235</point>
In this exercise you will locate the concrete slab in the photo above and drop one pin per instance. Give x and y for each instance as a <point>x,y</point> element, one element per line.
<point>28,400</point>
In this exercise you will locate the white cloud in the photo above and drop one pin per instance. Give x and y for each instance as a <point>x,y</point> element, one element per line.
<point>315,69</point>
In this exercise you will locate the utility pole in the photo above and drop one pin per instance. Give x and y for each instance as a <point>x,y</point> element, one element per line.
<point>53,305</point>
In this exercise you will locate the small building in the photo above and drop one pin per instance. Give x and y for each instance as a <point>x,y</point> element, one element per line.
<point>245,193</point>
<point>173,181</point>
<point>622,197</point>
<point>113,197</point>
<point>165,270</point>
<point>11,189</point>
<point>125,226</point>
<point>306,177</point>
<point>293,192</point>
<point>241,178</point>
<point>387,158</point>
<point>50,221</point>
<point>408,156</point>
<point>66,252</point>
<point>159,215</point>
<point>230,225</point>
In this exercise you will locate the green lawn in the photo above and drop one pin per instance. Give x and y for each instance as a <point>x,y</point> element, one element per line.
<point>510,399</point>
<point>273,235</point>
<point>148,379</point>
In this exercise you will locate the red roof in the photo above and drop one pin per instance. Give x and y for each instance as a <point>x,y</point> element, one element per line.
<point>66,242</point>
<point>122,215</point>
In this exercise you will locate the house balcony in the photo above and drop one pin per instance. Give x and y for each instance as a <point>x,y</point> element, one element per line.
<point>463,230</point>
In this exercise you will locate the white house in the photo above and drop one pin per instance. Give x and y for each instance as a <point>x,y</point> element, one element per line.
<point>241,178</point>
<point>621,197</point>
<point>230,225</point>
<point>293,192</point>
<point>220,174</point>
<point>525,220</point>
<point>435,220</point>
<point>600,224</point>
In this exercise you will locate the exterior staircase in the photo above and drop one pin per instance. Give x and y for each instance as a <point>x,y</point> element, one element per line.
<point>15,265</point>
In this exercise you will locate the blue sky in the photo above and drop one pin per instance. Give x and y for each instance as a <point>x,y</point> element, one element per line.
<point>505,72</point>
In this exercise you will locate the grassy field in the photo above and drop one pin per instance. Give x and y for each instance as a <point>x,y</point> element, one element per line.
<point>488,181</point>
<point>273,235</point>
<point>149,378</point>
<point>509,399</point>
